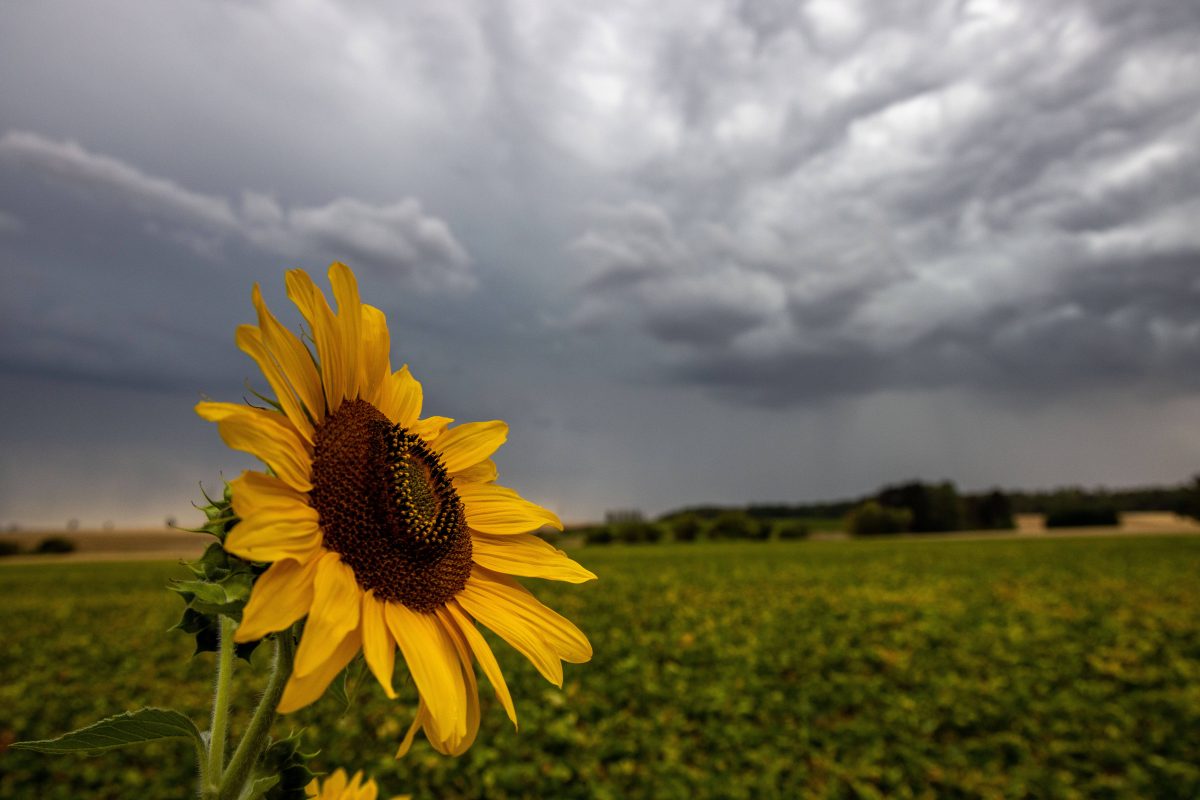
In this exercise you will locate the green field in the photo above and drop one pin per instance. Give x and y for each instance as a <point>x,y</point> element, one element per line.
<point>1006,668</point>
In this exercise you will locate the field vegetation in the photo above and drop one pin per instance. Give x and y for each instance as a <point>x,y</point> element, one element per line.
<point>881,668</point>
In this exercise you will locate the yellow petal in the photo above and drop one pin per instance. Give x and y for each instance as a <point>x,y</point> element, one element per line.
<point>379,648</point>
<point>401,398</point>
<point>461,744</point>
<point>558,631</point>
<point>281,595</point>
<point>485,657</point>
<point>542,635</point>
<point>417,723</point>
<point>430,428</point>
<point>312,790</point>
<point>249,339</point>
<point>274,535</point>
<point>368,792</point>
<point>526,555</point>
<point>326,333</point>
<point>374,363</point>
<point>256,491</point>
<point>497,509</point>
<point>293,357</point>
<point>335,613</point>
<point>430,656</point>
<point>301,690</point>
<point>349,322</point>
<point>469,443</point>
<point>265,434</point>
<point>335,784</point>
<point>483,472</point>
<point>479,601</point>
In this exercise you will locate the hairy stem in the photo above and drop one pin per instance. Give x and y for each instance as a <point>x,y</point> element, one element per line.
<point>255,738</point>
<point>220,712</point>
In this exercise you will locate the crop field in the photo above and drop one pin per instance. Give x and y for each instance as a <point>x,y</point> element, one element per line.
<point>1006,668</point>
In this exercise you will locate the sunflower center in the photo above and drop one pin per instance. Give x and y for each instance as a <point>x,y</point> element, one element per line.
<point>388,508</point>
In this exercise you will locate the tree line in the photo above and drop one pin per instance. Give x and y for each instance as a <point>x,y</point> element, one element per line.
<point>909,507</point>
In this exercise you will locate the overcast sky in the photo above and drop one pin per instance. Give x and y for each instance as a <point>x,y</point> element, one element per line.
<point>692,251</point>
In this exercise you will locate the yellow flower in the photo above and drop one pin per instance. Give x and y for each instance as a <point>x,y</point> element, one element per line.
<point>338,788</point>
<point>385,529</point>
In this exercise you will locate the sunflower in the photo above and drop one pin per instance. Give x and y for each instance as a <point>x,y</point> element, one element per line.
<point>338,787</point>
<point>385,529</point>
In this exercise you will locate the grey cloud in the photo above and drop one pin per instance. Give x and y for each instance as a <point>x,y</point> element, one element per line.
<point>10,223</point>
<point>941,198</point>
<point>398,239</point>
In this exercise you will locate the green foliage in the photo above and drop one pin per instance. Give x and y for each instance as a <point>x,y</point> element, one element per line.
<point>220,583</point>
<point>933,507</point>
<point>685,528</point>
<point>636,532</point>
<point>1181,499</point>
<point>55,544</point>
<point>792,529</point>
<point>599,534</point>
<point>284,762</point>
<point>989,511</point>
<point>871,668</point>
<point>737,525</point>
<point>872,518</point>
<point>1080,513</point>
<point>132,727</point>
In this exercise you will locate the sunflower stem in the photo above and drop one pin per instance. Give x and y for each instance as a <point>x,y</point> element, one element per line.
<point>255,739</point>
<point>220,712</point>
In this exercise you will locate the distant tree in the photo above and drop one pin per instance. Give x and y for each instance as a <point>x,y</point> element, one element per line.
<point>636,532</point>
<point>108,525</point>
<point>1084,512</point>
<point>9,548</point>
<point>735,525</point>
<point>623,515</point>
<point>934,507</point>
<point>685,528</point>
<point>873,518</point>
<point>170,522</point>
<point>990,511</point>
<point>72,524</point>
<point>791,529</point>
<point>601,534</point>
<point>1188,501</point>
<point>55,544</point>
<point>548,533</point>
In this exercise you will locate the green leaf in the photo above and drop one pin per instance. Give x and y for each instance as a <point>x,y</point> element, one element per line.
<point>132,727</point>
<point>259,787</point>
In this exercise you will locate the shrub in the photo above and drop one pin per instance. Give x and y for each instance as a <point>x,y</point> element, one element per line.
<point>636,532</point>
<point>685,528</point>
<point>601,534</point>
<point>1081,514</point>
<point>548,534</point>
<point>792,530</point>
<point>9,548</point>
<point>991,511</point>
<point>932,506</point>
<point>872,518</point>
<point>55,544</point>
<point>736,525</point>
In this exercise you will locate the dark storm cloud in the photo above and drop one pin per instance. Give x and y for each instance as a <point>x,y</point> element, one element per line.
<point>576,215</point>
<point>989,196</point>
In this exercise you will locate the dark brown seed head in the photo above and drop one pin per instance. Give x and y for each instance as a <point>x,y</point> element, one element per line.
<point>388,508</point>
